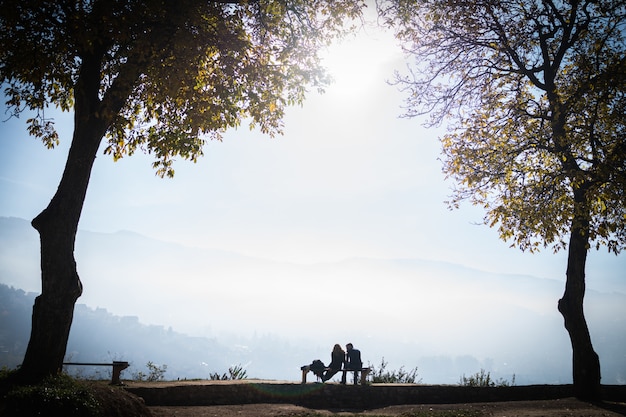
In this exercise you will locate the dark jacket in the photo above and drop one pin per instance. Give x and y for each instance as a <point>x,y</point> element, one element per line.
<point>353,359</point>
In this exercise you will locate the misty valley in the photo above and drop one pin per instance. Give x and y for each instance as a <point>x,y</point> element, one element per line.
<point>201,311</point>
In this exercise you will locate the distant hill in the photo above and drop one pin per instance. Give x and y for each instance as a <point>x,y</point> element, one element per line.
<point>203,310</point>
<point>99,336</point>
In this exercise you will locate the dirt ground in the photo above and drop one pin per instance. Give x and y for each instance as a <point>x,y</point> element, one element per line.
<point>568,407</point>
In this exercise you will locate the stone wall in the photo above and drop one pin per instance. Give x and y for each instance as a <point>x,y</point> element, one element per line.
<point>315,395</point>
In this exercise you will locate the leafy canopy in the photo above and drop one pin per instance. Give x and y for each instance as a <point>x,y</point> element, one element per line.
<point>164,76</point>
<point>535,91</point>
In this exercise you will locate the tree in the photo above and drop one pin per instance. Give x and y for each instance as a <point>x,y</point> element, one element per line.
<point>155,75</point>
<point>535,94</point>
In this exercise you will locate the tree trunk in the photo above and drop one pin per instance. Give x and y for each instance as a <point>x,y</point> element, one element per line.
<point>586,364</point>
<point>57,225</point>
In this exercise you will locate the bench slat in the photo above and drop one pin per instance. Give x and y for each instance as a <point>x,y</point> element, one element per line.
<point>364,372</point>
<point>93,364</point>
<point>118,367</point>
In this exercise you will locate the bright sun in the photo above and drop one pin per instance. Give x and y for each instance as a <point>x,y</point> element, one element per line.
<point>356,63</point>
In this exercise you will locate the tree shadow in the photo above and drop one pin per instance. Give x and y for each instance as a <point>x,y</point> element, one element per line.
<point>616,407</point>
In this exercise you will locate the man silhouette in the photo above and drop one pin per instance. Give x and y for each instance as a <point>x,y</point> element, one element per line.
<point>353,362</point>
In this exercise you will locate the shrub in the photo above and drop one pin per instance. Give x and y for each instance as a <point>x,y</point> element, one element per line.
<point>59,395</point>
<point>155,373</point>
<point>483,379</point>
<point>400,376</point>
<point>234,372</point>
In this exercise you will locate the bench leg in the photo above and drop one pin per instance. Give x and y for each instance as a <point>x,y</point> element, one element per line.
<point>118,367</point>
<point>364,377</point>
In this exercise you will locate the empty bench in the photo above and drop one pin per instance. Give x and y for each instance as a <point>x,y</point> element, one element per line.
<point>118,367</point>
<point>364,372</point>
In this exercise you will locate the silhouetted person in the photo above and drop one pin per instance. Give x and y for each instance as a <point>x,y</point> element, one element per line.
<point>353,362</point>
<point>337,358</point>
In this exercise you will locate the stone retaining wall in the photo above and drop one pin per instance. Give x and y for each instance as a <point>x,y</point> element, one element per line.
<point>348,396</point>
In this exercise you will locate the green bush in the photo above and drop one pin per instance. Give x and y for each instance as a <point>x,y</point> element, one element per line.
<point>60,395</point>
<point>483,379</point>
<point>400,376</point>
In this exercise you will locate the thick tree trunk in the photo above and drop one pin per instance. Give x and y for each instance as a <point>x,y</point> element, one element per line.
<point>57,226</point>
<point>586,364</point>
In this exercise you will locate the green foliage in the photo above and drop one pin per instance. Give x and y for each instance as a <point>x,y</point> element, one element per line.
<point>55,396</point>
<point>535,93</point>
<point>165,76</point>
<point>6,372</point>
<point>234,372</point>
<point>483,379</point>
<point>400,376</point>
<point>155,373</point>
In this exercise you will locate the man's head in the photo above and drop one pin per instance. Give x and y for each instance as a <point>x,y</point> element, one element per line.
<point>349,346</point>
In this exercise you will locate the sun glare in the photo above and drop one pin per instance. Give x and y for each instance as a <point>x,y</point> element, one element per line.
<point>355,64</point>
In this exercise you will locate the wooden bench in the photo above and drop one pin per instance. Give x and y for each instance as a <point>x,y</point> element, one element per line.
<point>118,367</point>
<point>364,372</point>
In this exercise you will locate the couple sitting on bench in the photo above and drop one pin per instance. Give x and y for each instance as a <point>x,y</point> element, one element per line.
<point>351,360</point>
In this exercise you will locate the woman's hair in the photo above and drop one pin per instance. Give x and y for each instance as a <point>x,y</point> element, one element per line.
<point>337,348</point>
